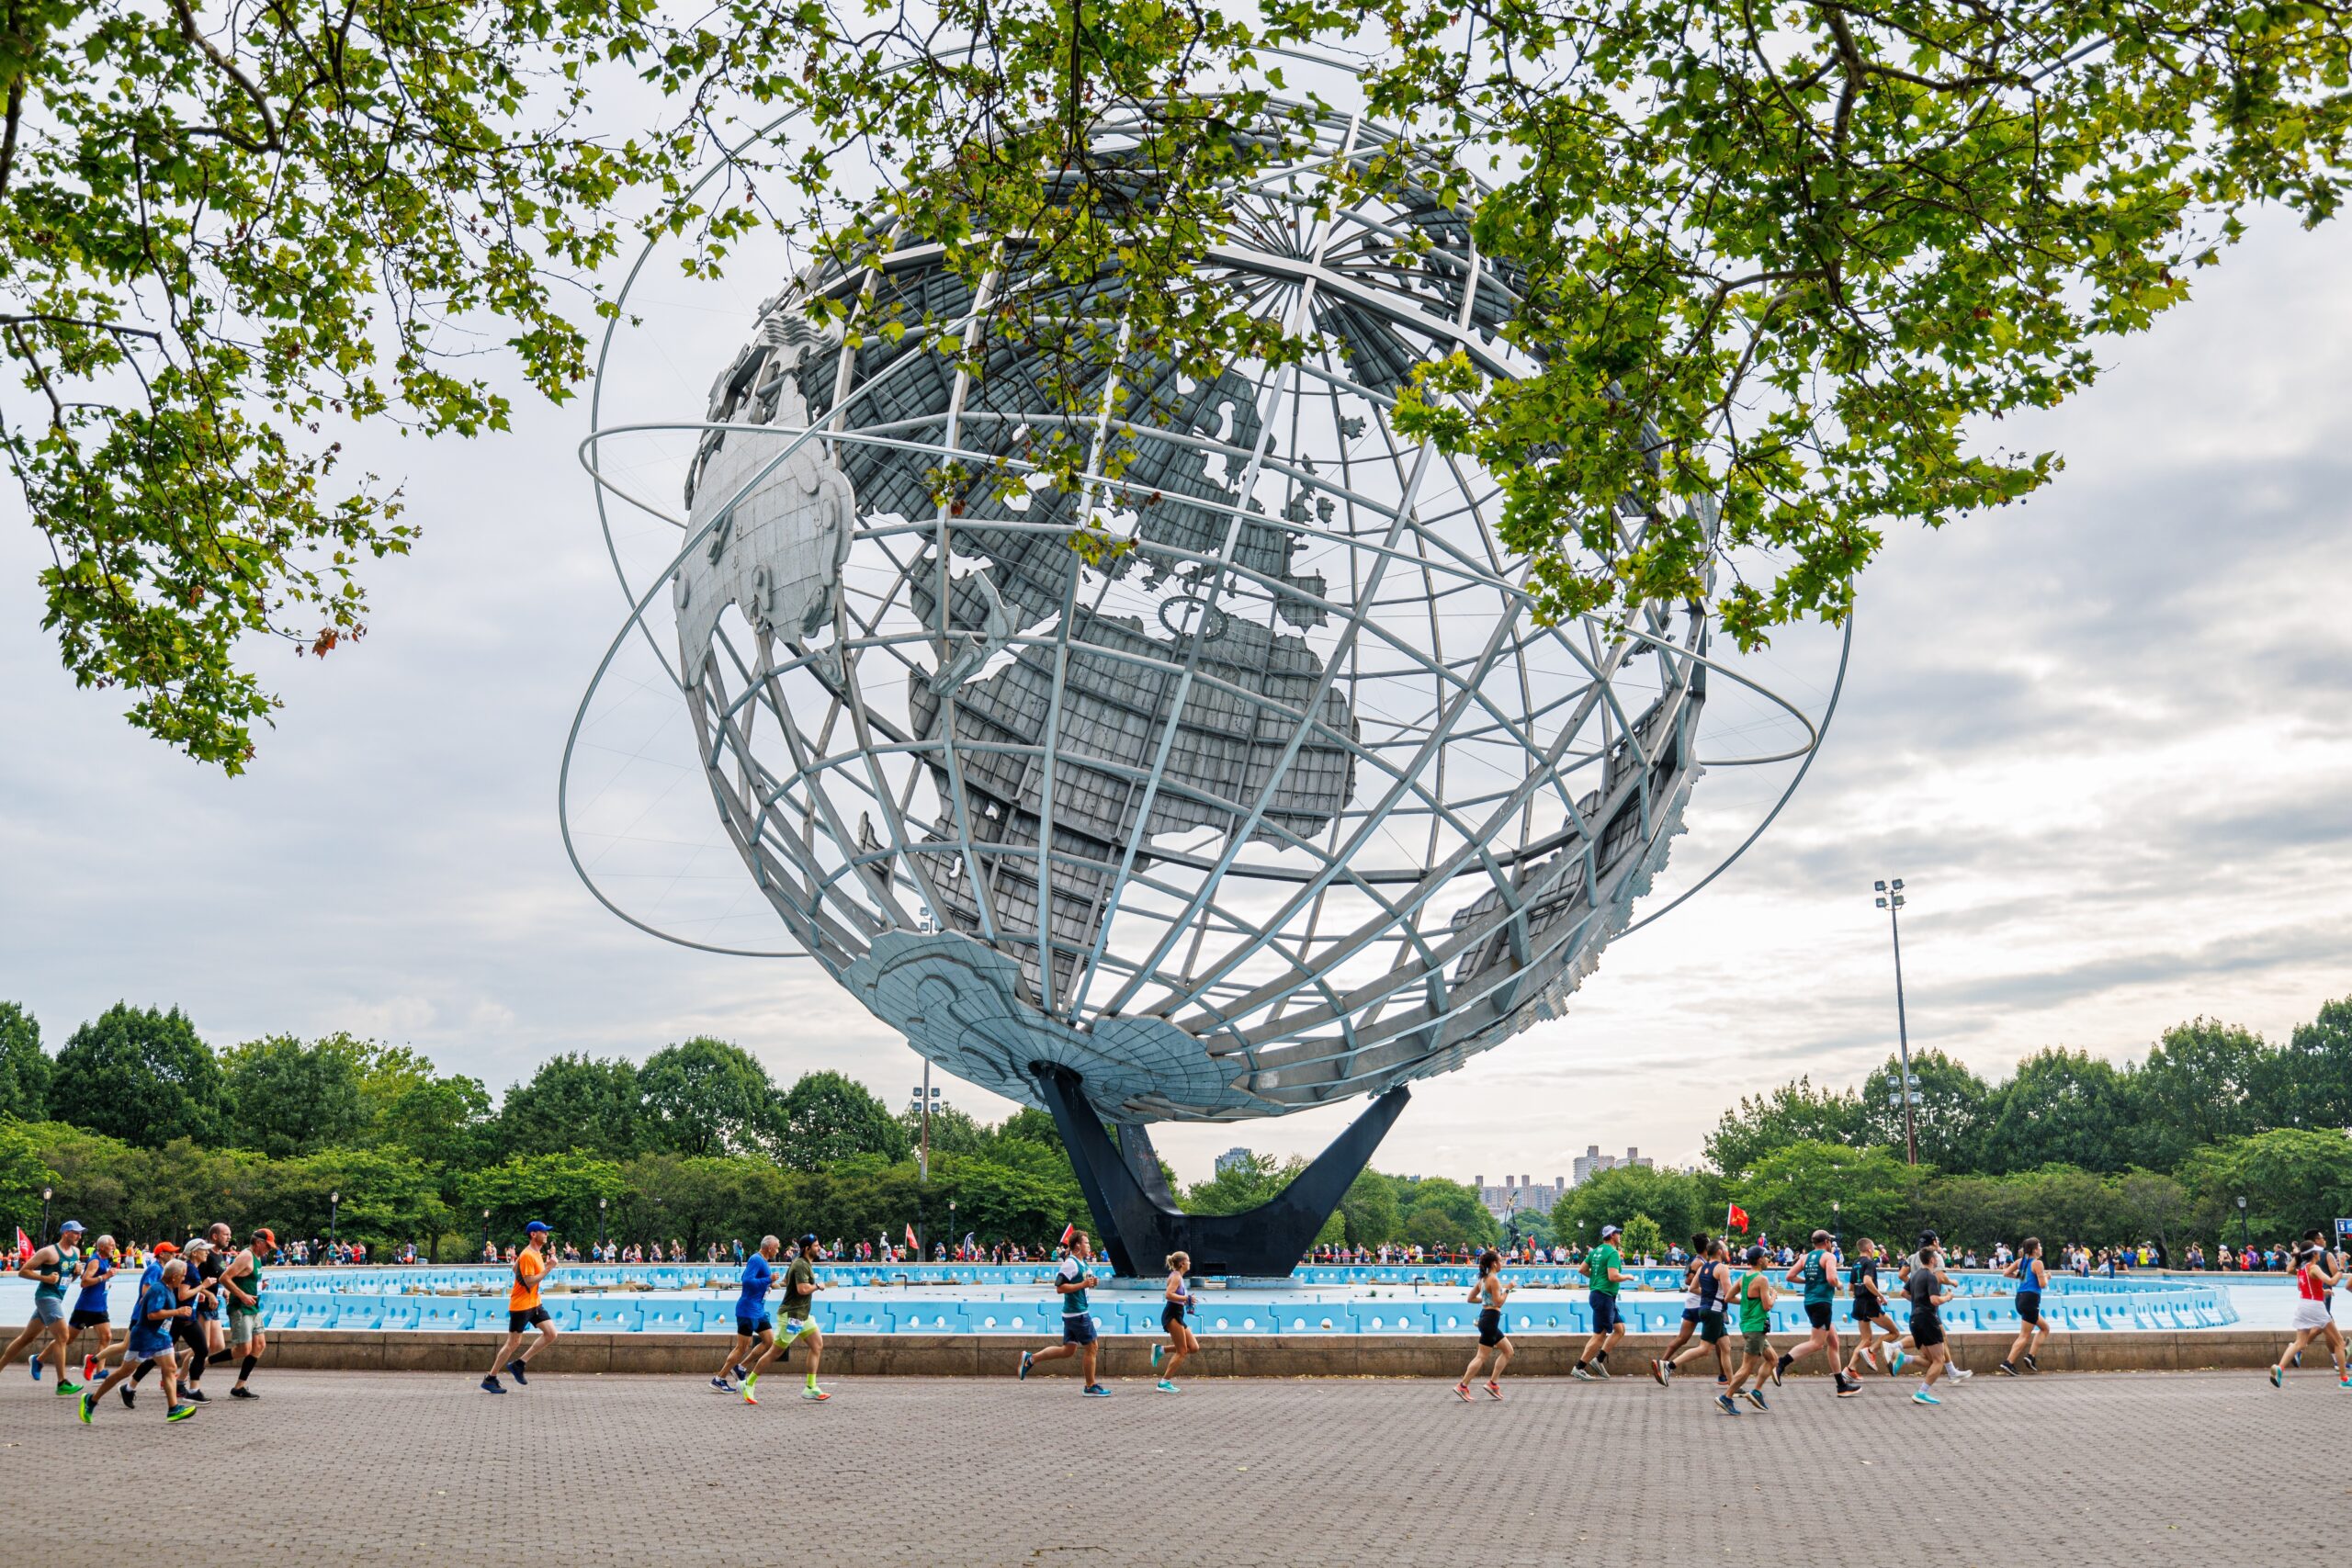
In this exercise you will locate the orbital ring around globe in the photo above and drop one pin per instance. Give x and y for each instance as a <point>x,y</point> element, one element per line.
<point>1289,800</point>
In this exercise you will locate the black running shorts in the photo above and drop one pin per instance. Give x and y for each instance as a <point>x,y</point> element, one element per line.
<point>2030,1306</point>
<point>1926,1329</point>
<point>518,1321</point>
<point>1817,1313</point>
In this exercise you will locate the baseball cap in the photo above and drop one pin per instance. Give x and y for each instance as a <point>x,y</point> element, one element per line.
<point>809,1240</point>
<point>1608,1231</point>
<point>198,1244</point>
<point>1929,1238</point>
<point>165,1249</point>
<point>68,1226</point>
<point>1755,1254</point>
<point>265,1235</point>
<point>534,1228</point>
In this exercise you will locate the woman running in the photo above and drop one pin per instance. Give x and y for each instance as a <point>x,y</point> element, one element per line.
<point>2313,1319</point>
<point>90,1306</point>
<point>1488,1295</point>
<point>1870,1313</point>
<point>1661,1366</point>
<point>2031,1274</point>
<point>1181,1340</point>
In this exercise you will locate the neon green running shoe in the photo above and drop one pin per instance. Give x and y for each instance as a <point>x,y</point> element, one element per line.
<point>179,1412</point>
<point>64,1388</point>
<point>88,1406</point>
<point>812,1392</point>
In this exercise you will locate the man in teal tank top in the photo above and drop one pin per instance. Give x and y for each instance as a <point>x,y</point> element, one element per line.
<point>1817,1271</point>
<point>48,1332</point>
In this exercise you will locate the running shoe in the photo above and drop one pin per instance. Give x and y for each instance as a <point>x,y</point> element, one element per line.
<point>1579,1374</point>
<point>1848,1387</point>
<point>64,1388</point>
<point>722,1385</point>
<point>742,1371</point>
<point>1095,1391</point>
<point>198,1395</point>
<point>1660,1371</point>
<point>1894,1363</point>
<point>1924,1397</point>
<point>89,1368</point>
<point>515,1366</point>
<point>2344,1383</point>
<point>491,1385</point>
<point>1723,1403</point>
<point>1779,1371</point>
<point>129,1396</point>
<point>36,1361</point>
<point>1462,1391</point>
<point>749,1397</point>
<point>2030,1364</point>
<point>1164,1386</point>
<point>1494,1390</point>
<point>817,1395</point>
<point>88,1405</point>
<point>242,1391</point>
<point>1158,1351</point>
<point>2006,1371</point>
<point>1960,1374</point>
<point>2278,1377</point>
<point>1600,1368</point>
<point>179,1412</point>
<point>1756,1397</point>
<point>1023,1372</point>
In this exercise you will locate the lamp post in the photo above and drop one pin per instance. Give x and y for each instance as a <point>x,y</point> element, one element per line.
<point>924,1098</point>
<point>600,1228</point>
<point>44,1216</point>
<point>485,1230</point>
<point>1837,1223</point>
<point>1890,898</point>
<point>2244,1244</point>
<point>953,1239</point>
<point>335,1204</point>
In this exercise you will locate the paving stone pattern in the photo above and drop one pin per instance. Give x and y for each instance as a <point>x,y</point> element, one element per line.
<point>376,1468</point>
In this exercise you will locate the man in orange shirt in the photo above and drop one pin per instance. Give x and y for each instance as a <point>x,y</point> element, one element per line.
<point>522,1310</point>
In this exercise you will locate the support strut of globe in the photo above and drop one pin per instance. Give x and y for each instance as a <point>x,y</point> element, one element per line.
<point>1289,799</point>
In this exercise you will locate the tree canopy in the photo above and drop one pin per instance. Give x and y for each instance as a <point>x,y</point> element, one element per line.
<point>1801,264</point>
<point>139,1075</point>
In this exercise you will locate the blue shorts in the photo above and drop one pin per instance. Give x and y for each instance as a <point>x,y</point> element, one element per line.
<point>1078,1328</point>
<point>50,1309</point>
<point>752,1328</point>
<point>1605,1315</point>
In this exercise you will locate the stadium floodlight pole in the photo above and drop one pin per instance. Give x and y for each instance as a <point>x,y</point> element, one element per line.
<point>1890,898</point>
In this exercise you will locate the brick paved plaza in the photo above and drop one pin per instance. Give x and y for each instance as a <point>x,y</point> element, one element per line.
<point>2180,1468</point>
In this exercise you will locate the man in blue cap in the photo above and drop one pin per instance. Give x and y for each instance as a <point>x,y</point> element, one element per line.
<point>51,1269</point>
<point>524,1310</point>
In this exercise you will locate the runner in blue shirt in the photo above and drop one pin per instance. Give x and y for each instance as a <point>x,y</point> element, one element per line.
<point>158,1309</point>
<point>753,1322</point>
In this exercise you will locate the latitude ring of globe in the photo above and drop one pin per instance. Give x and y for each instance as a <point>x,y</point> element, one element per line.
<point>1305,800</point>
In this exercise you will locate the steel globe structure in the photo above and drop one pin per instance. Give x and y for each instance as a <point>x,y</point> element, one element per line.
<point>1288,798</point>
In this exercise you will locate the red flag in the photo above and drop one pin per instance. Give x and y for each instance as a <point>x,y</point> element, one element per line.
<point>24,1242</point>
<point>1736,1218</point>
<point>912,1245</point>
<point>1069,1231</point>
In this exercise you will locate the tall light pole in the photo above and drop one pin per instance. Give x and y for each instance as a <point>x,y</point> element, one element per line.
<point>44,1216</point>
<point>334,1203</point>
<point>485,1230</point>
<point>600,1228</point>
<point>1890,898</point>
<point>925,1097</point>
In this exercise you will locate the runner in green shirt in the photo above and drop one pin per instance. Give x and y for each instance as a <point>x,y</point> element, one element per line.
<point>1753,1292</point>
<point>1604,1265</point>
<point>800,1288</point>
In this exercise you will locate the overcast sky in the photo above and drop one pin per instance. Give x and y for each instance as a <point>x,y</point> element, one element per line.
<point>2106,736</point>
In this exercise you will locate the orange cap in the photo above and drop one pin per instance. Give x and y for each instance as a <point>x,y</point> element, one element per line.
<point>165,1249</point>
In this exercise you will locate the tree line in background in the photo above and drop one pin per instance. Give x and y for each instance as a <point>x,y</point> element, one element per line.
<point>140,1126</point>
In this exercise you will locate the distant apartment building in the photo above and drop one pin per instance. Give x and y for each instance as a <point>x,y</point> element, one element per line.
<point>1592,1162</point>
<point>1525,1194</point>
<point>1231,1158</point>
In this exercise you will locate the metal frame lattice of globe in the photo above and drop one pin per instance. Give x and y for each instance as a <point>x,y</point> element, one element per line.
<point>1308,802</point>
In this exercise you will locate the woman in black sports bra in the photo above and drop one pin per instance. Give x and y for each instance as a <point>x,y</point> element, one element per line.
<point>1488,1294</point>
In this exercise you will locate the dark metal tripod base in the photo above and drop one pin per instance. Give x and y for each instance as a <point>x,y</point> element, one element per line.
<point>1138,1217</point>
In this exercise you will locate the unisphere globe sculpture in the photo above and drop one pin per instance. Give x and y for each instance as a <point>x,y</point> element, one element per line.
<point>1292,800</point>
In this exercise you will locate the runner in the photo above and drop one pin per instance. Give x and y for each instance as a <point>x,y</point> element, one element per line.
<point>1181,1342</point>
<point>2336,1262</point>
<point>1604,1270</point>
<point>1919,1282</point>
<point>224,1252</point>
<point>1488,1295</point>
<point>242,1282</point>
<point>523,1310</point>
<point>159,1306</point>
<point>1870,1313</point>
<point>2031,1274</point>
<point>1078,1326</point>
<point>90,1306</point>
<point>1689,1311</point>
<point>1818,1272</point>
<point>51,1269</point>
<point>753,1322</point>
<point>1753,1292</point>
<point>800,1288</point>
<point>202,1297</point>
<point>2313,1319</point>
<point>1712,1287</point>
